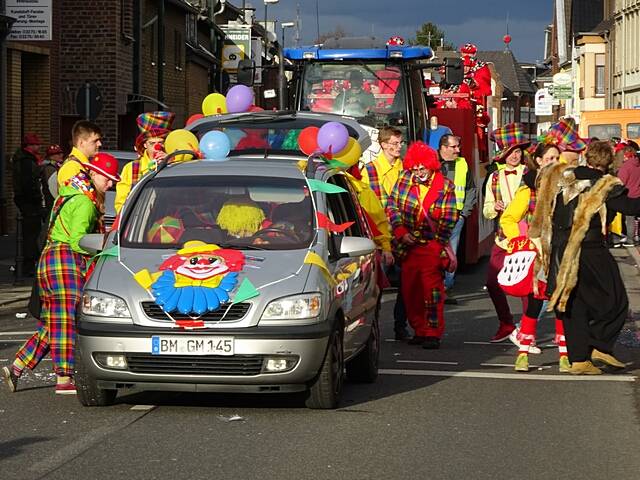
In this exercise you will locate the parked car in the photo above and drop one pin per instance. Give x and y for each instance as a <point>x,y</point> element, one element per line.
<point>313,301</point>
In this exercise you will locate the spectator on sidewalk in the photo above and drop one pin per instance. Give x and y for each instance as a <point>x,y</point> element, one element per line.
<point>500,191</point>
<point>28,197</point>
<point>77,211</point>
<point>87,140</point>
<point>422,212</point>
<point>629,174</point>
<point>52,162</point>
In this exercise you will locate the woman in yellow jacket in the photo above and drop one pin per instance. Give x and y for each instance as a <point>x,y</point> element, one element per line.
<point>514,222</point>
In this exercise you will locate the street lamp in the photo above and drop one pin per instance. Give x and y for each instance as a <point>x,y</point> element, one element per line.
<point>282,80</point>
<point>284,25</point>
<point>266,4</point>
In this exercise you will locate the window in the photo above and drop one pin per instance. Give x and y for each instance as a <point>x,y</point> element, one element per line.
<point>343,208</point>
<point>600,78</point>
<point>178,45</point>
<point>605,131</point>
<point>192,28</point>
<point>633,130</point>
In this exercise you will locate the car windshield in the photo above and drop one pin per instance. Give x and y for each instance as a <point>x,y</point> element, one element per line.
<point>243,212</point>
<point>371,92</point>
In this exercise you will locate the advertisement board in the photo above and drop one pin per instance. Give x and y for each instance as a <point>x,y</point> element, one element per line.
<point>33,19</point>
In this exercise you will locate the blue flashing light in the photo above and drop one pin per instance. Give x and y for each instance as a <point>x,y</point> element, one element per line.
<point>317,53</point>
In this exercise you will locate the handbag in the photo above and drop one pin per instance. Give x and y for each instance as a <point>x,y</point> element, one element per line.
<point>35,302</point>
<point>516,276</point>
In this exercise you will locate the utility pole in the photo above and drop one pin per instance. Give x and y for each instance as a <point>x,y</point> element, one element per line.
<point>298,21</point>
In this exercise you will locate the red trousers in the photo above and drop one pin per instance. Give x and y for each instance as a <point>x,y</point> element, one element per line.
<point>422,285</point>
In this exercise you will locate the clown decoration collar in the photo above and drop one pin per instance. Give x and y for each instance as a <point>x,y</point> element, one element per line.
<point>196,280</point>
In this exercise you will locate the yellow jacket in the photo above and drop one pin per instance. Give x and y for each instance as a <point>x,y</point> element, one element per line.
<point>70,168</point>
<point>123,187</point>
<point>370,203</point>
<point>515,212</point>
<point>388,173</point>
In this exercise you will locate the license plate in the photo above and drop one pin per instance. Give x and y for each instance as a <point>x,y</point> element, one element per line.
<point>185,345</point>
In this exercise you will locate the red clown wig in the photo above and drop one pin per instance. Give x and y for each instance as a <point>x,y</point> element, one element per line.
<point>419,153</point>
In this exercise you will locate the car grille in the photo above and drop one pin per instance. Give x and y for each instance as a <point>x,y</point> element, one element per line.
<point>189,365</point>
<point>236,312</point>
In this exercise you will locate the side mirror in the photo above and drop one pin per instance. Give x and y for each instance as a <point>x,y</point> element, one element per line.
<point>92,243</point>
<point>356,246</point>
<point>453,71</point>
<point>245,72</point>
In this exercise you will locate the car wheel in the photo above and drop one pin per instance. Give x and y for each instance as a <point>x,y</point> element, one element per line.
<point>89,394</point>
<point>364,366</point>
<point>326,389</point>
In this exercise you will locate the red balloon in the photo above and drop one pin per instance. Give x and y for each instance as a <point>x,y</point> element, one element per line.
<point>255,108</point>
<point>506,38</point>
<point>193,118</point>
<point>308,140</point>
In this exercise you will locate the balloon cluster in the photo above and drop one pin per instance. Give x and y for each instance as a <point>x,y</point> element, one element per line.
<point>239,99</point>
<point>214,145</point>
<point>333,140</point>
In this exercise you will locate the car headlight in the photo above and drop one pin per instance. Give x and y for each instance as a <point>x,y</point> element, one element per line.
<point>104,305</point>
<point>297,307</point>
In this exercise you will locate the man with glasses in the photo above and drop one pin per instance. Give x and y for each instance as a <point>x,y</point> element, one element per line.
<point>455,168</point>
<point>154,127</point>
<point>382,174</point>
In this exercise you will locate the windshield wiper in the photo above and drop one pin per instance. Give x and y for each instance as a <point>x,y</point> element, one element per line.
<point>259,116</point>
<point>368,69</point>
<point>236,246</point>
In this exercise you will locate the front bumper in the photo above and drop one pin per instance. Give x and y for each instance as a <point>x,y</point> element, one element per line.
<point>240,372</point>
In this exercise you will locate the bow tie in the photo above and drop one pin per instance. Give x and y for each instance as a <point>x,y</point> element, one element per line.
<point>510,172</point>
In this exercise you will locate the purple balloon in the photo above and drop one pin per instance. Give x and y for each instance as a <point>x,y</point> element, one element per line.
<point>239,99</point>
<point>333,137</point>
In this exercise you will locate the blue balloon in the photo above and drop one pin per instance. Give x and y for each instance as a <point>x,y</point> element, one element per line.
<point>215,145</point>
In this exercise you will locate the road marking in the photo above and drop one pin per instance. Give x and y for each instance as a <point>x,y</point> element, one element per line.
<point>427,361</point>
<point>13,341</point>
<point>143,407</point>
<point>490,343</point>
<point>389,297</point>
<point>510,365</point>
<point>510,376</point>
<point>10,334</point>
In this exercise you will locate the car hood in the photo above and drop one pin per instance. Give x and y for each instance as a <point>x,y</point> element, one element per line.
<point>274,274</point>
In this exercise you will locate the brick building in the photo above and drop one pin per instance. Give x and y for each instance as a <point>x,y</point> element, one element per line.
<point>133,55</point>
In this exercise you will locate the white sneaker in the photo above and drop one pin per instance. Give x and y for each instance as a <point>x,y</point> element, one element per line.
<point>533,348</point>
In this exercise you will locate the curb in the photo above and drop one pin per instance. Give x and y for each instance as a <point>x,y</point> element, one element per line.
<point>633,251</point>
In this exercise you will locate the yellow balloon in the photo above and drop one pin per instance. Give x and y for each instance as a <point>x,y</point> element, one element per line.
<point>214,104</point>
<point>181,140</point>
<point>351,153</point>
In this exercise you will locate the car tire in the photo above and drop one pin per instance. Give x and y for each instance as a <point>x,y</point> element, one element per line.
<point>88,392</point>
<point>363,368</point>
<point>326,389</point>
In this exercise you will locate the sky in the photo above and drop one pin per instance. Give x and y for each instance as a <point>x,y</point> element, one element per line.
<point>483,22</point>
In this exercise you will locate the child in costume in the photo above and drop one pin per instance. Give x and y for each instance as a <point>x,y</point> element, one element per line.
<point>61,272</point>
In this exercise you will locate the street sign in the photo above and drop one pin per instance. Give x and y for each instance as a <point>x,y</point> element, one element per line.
<point>544,102</point>
<point>89,101</point>
<point>237,45</point>
<point>562,86</point>
<point>33,19</point>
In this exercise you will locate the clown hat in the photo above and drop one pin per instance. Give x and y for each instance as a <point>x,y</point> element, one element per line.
<point>468,49</point>
<point>507,139</point>
<point>106,165</point>
<point>566,137</point>
<point>153,124</point>
<point>168,229</point>
<point>419,153</point>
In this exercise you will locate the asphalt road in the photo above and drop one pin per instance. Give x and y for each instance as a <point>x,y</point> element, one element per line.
<point>457,413</point>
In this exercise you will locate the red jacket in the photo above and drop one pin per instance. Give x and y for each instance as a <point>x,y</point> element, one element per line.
<point>629,173</point>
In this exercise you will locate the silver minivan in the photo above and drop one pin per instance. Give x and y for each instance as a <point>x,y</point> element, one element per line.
<point>222,278</point>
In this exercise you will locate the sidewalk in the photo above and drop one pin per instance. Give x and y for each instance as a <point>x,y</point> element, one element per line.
<point>12,293</point>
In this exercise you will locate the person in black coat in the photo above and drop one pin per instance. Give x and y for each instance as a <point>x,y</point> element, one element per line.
<point>27,196</point>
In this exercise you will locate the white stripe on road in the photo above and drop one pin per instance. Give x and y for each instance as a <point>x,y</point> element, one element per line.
<point>143,407</point>
<point>13,341</point>
<point>509,376</point>
<point>427,361</point>
<point>10,334</point>
<point>511,365</point>
<point>503,343</point>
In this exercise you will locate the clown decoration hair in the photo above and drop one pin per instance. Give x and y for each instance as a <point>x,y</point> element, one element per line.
<point>419,153</point>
